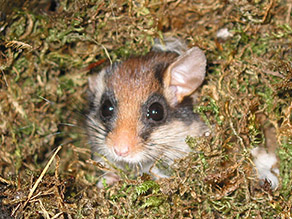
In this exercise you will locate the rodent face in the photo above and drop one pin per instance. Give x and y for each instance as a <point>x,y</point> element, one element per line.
<point>132,119</point>
<point>129,107</point>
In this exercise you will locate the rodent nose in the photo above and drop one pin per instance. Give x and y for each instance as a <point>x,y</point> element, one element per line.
<point>123,152</point>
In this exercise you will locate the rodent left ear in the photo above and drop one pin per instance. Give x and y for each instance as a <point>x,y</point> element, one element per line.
<point>185,75</point>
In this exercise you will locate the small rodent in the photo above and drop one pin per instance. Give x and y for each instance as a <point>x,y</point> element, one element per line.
<point>141,109</point>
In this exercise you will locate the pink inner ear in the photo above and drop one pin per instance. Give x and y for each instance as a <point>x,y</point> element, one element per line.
<point>187,73</point>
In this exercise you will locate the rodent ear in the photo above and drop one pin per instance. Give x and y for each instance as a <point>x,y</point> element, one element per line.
<point>96,84</point>
<point>185,75</point>
<point>92,82</point>
<point>96,81</point>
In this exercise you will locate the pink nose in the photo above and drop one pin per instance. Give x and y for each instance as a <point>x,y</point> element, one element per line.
<point>123,152</point>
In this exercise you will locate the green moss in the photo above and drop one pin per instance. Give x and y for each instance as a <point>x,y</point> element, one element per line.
<point>285,154</point>
<point>43,75</point>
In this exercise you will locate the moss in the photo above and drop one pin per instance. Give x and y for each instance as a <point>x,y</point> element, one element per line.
<point>46,49</point>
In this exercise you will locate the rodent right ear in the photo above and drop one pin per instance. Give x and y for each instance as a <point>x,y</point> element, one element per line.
<point>185,75</point>
<point>92,82</point>
<point>96,83</point>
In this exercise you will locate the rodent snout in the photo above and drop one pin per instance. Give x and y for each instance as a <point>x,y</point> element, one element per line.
<point>122,142</point>
<point>122,152</point>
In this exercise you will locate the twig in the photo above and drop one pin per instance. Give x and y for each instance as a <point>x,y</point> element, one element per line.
<point>45,213</point>
<point>39,179</point>
<point>268,11</point>
<point>57,215</point>
<point>6,181</point>
<point>288,13</point>
<point>29,27</point>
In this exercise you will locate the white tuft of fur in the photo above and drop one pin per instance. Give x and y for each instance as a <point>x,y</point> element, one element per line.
<point>265,164</point>
<point>223,34</point>
<point>170,44</point>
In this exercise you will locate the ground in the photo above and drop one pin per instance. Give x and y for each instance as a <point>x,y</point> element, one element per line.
<point>47,50</point>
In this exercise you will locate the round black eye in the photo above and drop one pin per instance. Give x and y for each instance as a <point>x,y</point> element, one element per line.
<point>155,112</point>
<point>107,109</point>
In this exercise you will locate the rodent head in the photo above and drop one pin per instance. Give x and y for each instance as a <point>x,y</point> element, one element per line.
<point>141,108</point>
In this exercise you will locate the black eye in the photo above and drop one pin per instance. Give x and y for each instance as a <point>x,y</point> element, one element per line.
<point>155,112</point>
<point>107,110</point>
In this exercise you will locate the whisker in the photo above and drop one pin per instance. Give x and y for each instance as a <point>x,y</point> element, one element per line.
<point>92,121</point>
<point>166,150</point>
<point>140,164</point>
<point>54,134</point>
<point>98,137</point>
<point>96,129</point>
<point>68,124</point>
<point>149,156</point>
